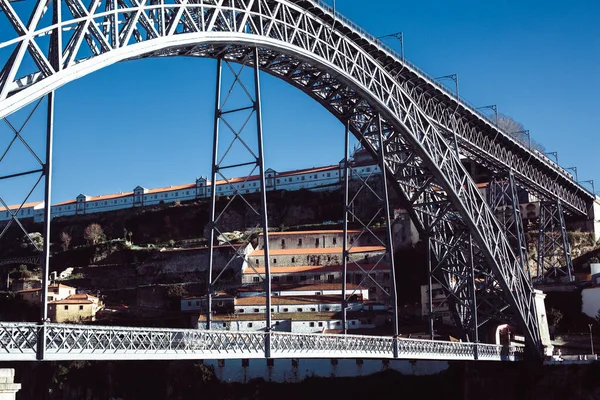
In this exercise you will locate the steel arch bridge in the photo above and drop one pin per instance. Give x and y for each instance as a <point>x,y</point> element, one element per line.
<point>410,123</point>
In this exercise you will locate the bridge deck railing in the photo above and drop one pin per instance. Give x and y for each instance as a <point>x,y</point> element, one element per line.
<point>19,342</point>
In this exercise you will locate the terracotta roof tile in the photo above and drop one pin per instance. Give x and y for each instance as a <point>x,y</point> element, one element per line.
<point>315,269</point>
<point>316,232</point>
<point>320,250</point>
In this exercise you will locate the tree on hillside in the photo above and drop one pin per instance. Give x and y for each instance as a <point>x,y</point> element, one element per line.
<point>65,240</point>
<point>94,234</point>
<point>511,127</point>
<point>34,240</point>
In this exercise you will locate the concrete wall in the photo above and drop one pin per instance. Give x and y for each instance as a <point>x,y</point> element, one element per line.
<point>71,312</point>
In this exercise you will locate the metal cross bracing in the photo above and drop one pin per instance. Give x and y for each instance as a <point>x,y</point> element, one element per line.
<point>347,72</point>
<point>19,342</point>
<point>375,186</point>
<point>237,117</point>
<point>554,263</point>
<point>504,201</point>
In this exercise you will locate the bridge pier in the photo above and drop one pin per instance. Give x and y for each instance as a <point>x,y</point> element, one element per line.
<point>8,389</point>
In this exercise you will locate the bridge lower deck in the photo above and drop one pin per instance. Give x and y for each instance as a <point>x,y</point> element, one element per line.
<point>20,341</point>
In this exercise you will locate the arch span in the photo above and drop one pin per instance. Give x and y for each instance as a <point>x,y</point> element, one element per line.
<point>311,53</point>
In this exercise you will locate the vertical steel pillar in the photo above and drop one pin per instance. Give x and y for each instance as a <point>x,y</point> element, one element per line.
<point>263,190</point>
<point>475,322</point>
<point>345,238</point>
<point>213,194</point>
<point>521,240</point>
<point>390,243</point>
<point>430,288</point>
<point>46,236</point>
<point>553,244</point>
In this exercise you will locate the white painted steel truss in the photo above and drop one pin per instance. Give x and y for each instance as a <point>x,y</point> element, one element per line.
<point>350,74</point>
<point>18,342</point>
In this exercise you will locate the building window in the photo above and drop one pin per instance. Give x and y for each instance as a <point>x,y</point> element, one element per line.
<point>81,307</point>
<point>241,311</point>
<point>320,323</point>
<point>313,309</point>
<point>293,259</point>
<point>353,322</point>
<point>283,243</point>
<point>249,324</point>
<point>311,324</point>
<point>285,310</point>
<point>302,277</point>
<point>66,307</point>
<point>317,277</point>
<point>289,278</point>
<point>299,310</point>
<point>274,261</point>
<point>299,242</point>
<point>257,262</point>
<point>255,279</point>
<point>257,310</point>
<point>334,241</point>
<point>189,303</point>
<point>275,279</point>
<point>327,308</point>
<point>224,325</point>
<point>317,242</point>
<point>330,278</point>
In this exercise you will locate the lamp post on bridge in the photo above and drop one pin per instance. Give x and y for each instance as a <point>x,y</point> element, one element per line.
<point>553,153</point>
<point>574,169</point>
<point>591,182</point>
<point>453,77</point>
<point>400,37</point>
<point>525,132</point>
<point>492,107</point>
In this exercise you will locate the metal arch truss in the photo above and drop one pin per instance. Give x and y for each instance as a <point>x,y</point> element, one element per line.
<point>337,65</point>
<point>554,260</point>
<point>18,342</point>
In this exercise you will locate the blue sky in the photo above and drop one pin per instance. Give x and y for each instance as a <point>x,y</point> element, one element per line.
<point>149,122</point>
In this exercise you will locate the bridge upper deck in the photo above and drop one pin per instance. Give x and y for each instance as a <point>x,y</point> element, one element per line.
<point>478,137</point>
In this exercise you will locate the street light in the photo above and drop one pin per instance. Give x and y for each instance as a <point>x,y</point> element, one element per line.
<point>453,77</point>
<point>574,169</point>
<point>525,132</point>
<point>591,182</point>
<point>553,153</point>
<point>492,107</point>
<point>400,37</point>
<point>591,338</point>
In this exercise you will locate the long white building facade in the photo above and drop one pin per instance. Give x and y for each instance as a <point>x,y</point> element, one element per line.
<point>314,179</point>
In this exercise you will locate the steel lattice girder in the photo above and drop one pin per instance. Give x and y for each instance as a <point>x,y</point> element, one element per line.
<point>326,62</point>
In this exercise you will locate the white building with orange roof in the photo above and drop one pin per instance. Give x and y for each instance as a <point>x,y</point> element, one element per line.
<point>314,179</point>
<point>74,308</point>
<point>55,292</point>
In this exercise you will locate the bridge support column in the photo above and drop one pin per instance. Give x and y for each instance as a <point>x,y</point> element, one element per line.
<point>8,389</point>
<point>504,203</point>
<point>345,237</point>
<point>388,231</point>
<point>366,205</point>
<point>554,252</point>
<point>236,122</point>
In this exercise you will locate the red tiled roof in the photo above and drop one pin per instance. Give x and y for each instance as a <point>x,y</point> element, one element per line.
<point>320,250</point>
<point>287,300</point>
<point>315,269</point>
<point>26,205</point>
<point>320,232</point>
